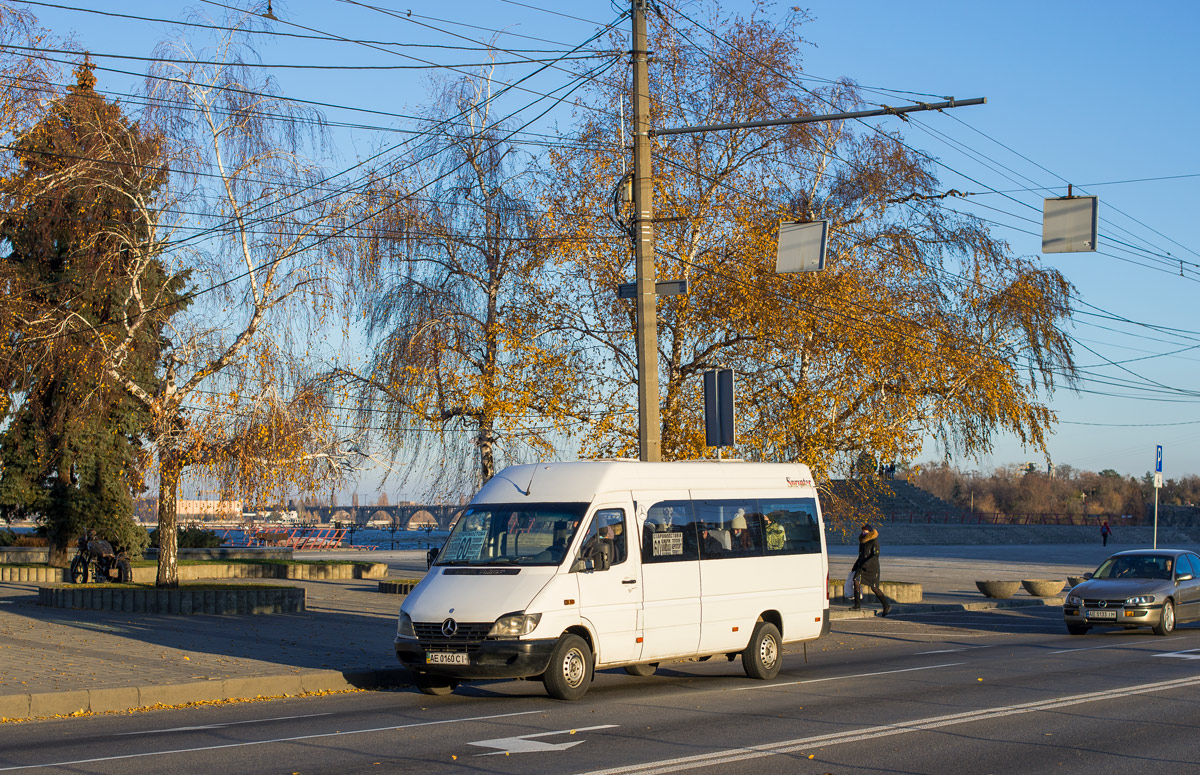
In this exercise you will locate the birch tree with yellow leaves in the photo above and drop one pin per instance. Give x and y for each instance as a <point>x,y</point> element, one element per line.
<point>922,323</point>
<point>469,367</point>
<point>230,241</point>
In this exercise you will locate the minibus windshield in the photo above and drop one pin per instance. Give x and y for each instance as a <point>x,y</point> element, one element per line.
<point>512,534</point>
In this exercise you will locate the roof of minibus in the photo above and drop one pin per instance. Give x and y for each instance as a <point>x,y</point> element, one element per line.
<point>577,482</point>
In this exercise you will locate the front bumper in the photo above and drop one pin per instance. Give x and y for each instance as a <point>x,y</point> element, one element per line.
<point>1123,616</point>
<point>488,659</point>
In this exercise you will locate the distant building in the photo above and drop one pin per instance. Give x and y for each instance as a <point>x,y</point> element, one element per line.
<point>146,510</point>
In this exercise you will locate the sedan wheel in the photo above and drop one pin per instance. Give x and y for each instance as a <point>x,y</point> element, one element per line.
<point>1166,624</point>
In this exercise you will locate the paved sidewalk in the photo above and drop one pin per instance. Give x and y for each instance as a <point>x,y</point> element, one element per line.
<point>59,661</point>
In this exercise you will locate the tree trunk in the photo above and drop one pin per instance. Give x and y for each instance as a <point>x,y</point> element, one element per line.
<point>57,550</point>
<point>170,466</point>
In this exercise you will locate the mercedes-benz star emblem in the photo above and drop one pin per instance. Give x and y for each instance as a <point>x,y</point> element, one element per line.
<point>449,627</point>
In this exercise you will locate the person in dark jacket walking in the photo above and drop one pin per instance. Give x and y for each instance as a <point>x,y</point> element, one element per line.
<point>866,569</point>
<point>1105,532</point>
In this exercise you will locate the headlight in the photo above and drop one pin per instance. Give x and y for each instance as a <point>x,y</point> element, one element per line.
<point>1139,600</point>
<point>404,628</point>
<point>514,625</point>
<point>1074,600</point>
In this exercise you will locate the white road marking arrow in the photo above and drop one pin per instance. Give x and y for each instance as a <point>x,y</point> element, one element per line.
<point>525,743</point>
<point>1185,654</point>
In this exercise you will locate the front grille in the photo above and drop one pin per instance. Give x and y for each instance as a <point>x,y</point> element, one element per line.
<point>467,639</point>
<point>1108,603</point>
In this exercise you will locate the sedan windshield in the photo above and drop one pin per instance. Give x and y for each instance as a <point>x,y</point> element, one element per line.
<point>1136,566</point>
<point>512,534</point>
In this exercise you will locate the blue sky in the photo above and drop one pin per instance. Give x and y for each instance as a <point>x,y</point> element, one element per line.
<point>1088,93</point>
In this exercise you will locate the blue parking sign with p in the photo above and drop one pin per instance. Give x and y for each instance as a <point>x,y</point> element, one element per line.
<point>1158,460</point>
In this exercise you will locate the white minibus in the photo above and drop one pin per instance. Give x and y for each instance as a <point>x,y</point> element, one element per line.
<point>557,569</point>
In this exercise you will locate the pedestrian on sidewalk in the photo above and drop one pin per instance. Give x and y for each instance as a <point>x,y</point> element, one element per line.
<point>1105,532</point>
<point>866,569</point>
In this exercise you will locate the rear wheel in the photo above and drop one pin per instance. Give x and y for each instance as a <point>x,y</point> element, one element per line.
<point>1166,623</point>
<point>79,571</point>
<point>435,685</point>
<point>570,670</point>
<point>763,657</point>
<point>641,671</point>
<point>1078,629</point>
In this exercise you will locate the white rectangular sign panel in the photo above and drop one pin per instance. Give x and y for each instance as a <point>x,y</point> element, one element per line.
<point>1069,225</point>
<point>801,246</point>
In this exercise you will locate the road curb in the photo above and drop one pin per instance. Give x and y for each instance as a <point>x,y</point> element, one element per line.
<point>925,608</point>
<point>14,707</point>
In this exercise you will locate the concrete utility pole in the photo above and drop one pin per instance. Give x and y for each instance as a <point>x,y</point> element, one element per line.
<point>649,426</point>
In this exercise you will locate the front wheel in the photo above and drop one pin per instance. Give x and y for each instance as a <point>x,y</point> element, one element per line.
<point>1078,629</point>
<point>79,571</point>
<point>124,572</point>
<point>764,656</point>
<point>570,670</point>
<point>435,685</point>
<point>641,671</point>
<point>1166,623</point>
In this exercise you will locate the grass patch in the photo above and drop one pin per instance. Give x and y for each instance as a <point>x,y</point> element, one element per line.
<point>252,561</point>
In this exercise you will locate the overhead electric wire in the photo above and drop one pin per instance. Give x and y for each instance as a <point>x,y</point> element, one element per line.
<point>320,240</point>
<point>280,33</point>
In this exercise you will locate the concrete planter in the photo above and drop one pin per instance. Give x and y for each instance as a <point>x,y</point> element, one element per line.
<point>1001,590</point>
<point>1043,587</point>
<point>1074,581</point>
<point>894,591</point>
<point>398,586</point>
<point>184,600</point>
<point>372,570</point>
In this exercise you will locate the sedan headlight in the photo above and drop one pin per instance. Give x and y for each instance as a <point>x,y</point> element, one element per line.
<point>404,628</point>
<point>1074,600</point>
<point>514,625</point>
<point>1139,600</point>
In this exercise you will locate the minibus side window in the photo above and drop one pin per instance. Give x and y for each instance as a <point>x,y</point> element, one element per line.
<point>605,543</point>
<point>734,528</point>
<point>791,527</point>
<point>670,533</point>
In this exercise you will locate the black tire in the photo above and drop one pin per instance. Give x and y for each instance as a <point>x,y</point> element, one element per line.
<point>1078,629</point>
<point>1166,624</point>
<point>570,670</point>
<point>79,571</point>
<point>764,656</point>
<point>124,572</point>
<point>643,670</point>
<point>435,685</point>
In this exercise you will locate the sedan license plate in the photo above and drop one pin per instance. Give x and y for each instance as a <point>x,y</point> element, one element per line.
<point>442,658</point>
<point>1102,614</point>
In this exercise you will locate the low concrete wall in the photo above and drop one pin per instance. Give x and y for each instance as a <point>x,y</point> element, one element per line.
<point>229,553</point>
<point>895,591</point>
<point>24,554</point>
<point>250,600</point>
<point>917,534</point>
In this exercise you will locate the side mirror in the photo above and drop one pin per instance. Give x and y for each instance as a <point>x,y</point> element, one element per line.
<point>1087,575</point>
<point>1183,577</point>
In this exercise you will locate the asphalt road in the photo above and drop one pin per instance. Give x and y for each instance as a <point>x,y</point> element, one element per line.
<point>966,692</point>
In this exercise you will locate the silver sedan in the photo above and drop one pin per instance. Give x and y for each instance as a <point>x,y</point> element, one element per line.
<point>1156,588</point>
